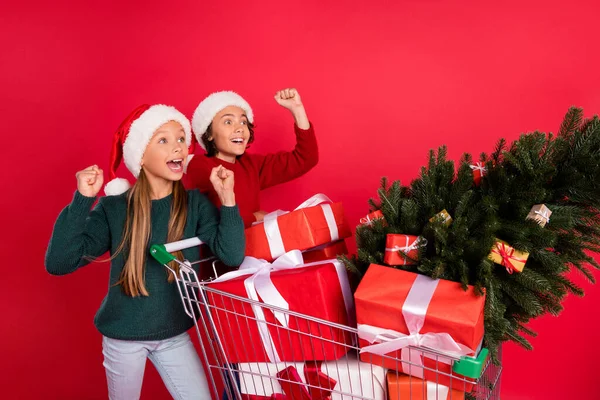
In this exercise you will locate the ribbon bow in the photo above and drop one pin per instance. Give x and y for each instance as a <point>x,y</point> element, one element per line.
<point>544,214</point>
<point>507,254</point>
<point>414,310</point>
<point>318,384</point>
<point>259,284</point>
<point>372,217</point>
<point>271,226</point>
<point>478,166</point>
<point>420,241</point>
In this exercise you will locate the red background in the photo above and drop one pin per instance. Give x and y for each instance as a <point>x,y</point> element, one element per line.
<point>383,82</point>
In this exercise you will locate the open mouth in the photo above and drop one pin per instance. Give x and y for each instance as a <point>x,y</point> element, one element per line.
<point>175,165</point>
<point>237,140</point>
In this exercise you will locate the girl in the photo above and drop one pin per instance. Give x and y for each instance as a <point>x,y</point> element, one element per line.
<point>142,316</point>
<point>223,126</point>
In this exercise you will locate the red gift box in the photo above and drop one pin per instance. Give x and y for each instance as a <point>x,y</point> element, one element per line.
<point>402,249</point>
<point>325,252</point>
<point>396,309</point>
<point>253,333</point>
<point>372,217</point>
<point>479,171</point>
<point>315,222</point>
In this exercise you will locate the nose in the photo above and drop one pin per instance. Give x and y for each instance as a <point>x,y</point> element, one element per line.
<point>178,148</point>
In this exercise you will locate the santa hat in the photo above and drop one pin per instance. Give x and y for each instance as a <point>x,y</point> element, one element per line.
<point>213,104</point>
<point>132,137</point>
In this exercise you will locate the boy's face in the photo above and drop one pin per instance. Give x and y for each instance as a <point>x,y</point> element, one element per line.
<point>230,133</point>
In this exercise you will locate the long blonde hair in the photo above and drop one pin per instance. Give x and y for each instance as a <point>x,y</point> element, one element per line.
<point>136,234</point>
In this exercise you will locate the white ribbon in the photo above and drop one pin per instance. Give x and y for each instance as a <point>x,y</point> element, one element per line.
<point>271,225</point>
<point>544,214</point>
<point>419,241</point>
<point>437,392</point>
<point>414,311</point>
<point>478,166</point>
<point>259,284</point>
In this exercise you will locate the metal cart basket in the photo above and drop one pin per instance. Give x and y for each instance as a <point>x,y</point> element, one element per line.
<point>218,316</point>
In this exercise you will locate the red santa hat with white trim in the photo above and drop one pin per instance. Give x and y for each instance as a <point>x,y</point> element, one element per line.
<point>211,106</point>
<point>132,138</point>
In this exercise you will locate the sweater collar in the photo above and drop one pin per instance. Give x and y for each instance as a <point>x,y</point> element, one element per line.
<point>162,204</point>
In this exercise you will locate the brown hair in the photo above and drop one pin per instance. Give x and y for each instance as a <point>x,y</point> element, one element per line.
<point>136,234</point>
<point>209,145</point>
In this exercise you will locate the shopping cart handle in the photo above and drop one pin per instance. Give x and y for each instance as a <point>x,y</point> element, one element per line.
<point>471,367</point>
<point>162,252</point>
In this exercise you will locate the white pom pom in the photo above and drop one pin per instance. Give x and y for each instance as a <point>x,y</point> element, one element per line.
<point>116,187</point>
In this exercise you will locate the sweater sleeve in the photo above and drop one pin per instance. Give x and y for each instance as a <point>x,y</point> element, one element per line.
<point>224,233</point>
<point>78,234</point>
<point>285,166</point>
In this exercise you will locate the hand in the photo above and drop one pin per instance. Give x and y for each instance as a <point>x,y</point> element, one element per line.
<point>260,215</point>
<point>89,181</point>
<point>288,98</point>
<point>222,180</point>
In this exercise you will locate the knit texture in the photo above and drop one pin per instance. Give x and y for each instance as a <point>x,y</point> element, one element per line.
<point>80,233</point>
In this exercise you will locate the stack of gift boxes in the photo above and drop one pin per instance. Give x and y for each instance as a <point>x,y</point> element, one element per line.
<point>291,275</point>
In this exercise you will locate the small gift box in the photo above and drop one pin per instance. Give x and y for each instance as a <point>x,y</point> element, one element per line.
<point>397,309</point>
<point>325,252</point>
<point>408,387</point>
<point>372,217</point>
<point>315,222</point>
<point>513,260</point>
<point>443,216</point>
<point>479,171</point>
<point>331,380</point>
<point>262,331</point>
<point>402,249</point>
<point>540,213</point>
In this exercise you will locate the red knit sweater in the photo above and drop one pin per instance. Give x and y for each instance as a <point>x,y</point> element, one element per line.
<point>254,172</point>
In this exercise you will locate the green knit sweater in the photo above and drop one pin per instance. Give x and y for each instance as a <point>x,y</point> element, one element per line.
<point>79,232</point>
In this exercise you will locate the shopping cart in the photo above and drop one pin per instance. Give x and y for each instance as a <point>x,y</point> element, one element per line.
<point>217,314</point>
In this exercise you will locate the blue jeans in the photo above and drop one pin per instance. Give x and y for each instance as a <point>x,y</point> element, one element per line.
<point>175,360</point>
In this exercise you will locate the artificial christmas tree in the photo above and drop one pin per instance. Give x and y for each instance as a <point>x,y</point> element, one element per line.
<point>561,172</point>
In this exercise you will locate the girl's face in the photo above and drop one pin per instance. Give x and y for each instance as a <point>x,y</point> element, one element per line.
<point>166,154</point>
<point>230,133</point>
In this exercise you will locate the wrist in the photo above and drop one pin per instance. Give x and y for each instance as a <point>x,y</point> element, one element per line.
<point>227,198</point>
<point>300,117</point>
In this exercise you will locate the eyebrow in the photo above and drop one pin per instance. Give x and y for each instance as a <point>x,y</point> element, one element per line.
<point>231,115</point>
<point>165,131</point>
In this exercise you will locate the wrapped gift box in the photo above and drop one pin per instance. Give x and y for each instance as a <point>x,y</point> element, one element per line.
<point>479,171</point>
<point>396,309</point>
<point>255,332</point>
<point>540,214</point>
<point>325,252</point>
<point>331,380</point>
<point>405,387</point>
<point>315,222</point>
<point>513,260</point>
<point>402,249</point>
<point>372,217</point>
<point>443,216</point>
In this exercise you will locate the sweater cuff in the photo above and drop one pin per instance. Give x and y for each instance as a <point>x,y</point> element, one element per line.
<point>300,131</point>
<point>81,204</point>
<point>230,215</point>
